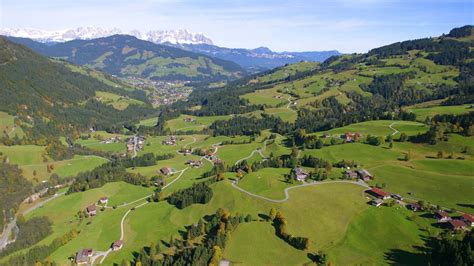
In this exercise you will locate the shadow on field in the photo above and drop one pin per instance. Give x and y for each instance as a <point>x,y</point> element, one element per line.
<point>403,257</point>
<point>466,205</point>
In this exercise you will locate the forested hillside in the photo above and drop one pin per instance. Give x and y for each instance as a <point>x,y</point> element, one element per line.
<point>51,96</point>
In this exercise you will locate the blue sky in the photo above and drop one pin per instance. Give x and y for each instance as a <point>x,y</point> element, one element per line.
<point>345,25</point>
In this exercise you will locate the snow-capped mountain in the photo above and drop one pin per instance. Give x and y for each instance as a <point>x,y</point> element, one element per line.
<point>86,33</point>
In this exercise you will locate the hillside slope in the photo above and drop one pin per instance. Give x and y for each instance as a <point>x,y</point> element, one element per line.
<point>124,55</point>
<point>42,91</point>
<point>352,88</point>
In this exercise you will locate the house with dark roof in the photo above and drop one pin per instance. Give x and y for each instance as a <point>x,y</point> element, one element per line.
<point>299,174</point>
<point>364,175</point>
<point>91,210</point>
<point>442,216</point>
<point>378,193</point>
<point>103,200</point>
<point>117,245</point>
<point>414,206</point>
<point>468,219</point>
<point>376,202</point>
<point>83,255</point>
<point>166,170</point>
<point>456,225</point>
<point>350,174</point>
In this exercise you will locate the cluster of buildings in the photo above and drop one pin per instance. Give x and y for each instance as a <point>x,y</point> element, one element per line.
<point>195,163</point>
<point>83,256</point>
<point>115,139</point>
<point>455,224</point>
<point>351,136</point>
<point>212,157</point>
<point>172,140</point>
<point>186,151</point>
<point>361,174</point>
<point>135,143</point>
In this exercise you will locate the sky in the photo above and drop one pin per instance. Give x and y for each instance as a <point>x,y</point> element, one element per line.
<point>291,25</point>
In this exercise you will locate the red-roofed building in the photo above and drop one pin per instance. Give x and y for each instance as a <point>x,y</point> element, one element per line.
<point>468,219</point>
<point>442,216</point>
<point>457,225</point>
<point>378,193</point>
<point>83,255</point>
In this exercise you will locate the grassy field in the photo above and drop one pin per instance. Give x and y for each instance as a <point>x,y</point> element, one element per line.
<point>268,182</point>
<point>65,168</point>
<point>200,122</point>
<point>421,113</point>
<point>242,247</point>
<point>117,101</point>
<point>401,233</point>
<point>24,154</point>
<point>7,126</point>
<point>269,97</point>
<point>381,128</point>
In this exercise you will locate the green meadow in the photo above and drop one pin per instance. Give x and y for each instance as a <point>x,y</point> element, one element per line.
<point>422,113</point>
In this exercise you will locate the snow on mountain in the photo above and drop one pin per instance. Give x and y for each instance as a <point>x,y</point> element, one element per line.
<point>84,33</point>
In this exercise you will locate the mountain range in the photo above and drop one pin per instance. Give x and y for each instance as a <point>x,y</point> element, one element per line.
<point>253,60</point>
<point>86,33</point>
<point>125,55</point>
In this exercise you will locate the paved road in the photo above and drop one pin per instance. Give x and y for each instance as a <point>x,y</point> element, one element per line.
<point>7,232</point>
<point>144,198</point>
<point>287,196</point>
<point>104,254</point>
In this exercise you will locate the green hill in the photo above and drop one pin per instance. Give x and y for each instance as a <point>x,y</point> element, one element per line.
<point>51,95</point>
<point>124,55</point>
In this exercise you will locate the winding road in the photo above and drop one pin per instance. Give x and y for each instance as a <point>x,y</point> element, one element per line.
<point>258,150</point>
<point>7,232</point>
<point>287,196</point>
<point>104,254</point>
<point>394,130</point>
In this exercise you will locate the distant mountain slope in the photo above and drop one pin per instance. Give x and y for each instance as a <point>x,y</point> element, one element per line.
<point>259,59</point>
<point>52,95</point>
<point>124,55</point>
<point>352,88</point>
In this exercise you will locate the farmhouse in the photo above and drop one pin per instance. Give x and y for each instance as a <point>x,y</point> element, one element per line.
<point>195,163</point>
<point>442,216</point>
<point>376,202</point>
<point>468,219</point>
<point>414,206</point>
<point>364,175</point>
<point>378,193</point>
<point>117,245</point>
<point>166,171</point>
<point>170,141</point>
<point>456,225</point>
<point>186,151</point>
<point>103,200</point>
<point>91,210</point>
<point>83,255</point>
<point>350,174</point>
<point>351,137</point>
<point>189,119</point>
<point>299,174</point>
